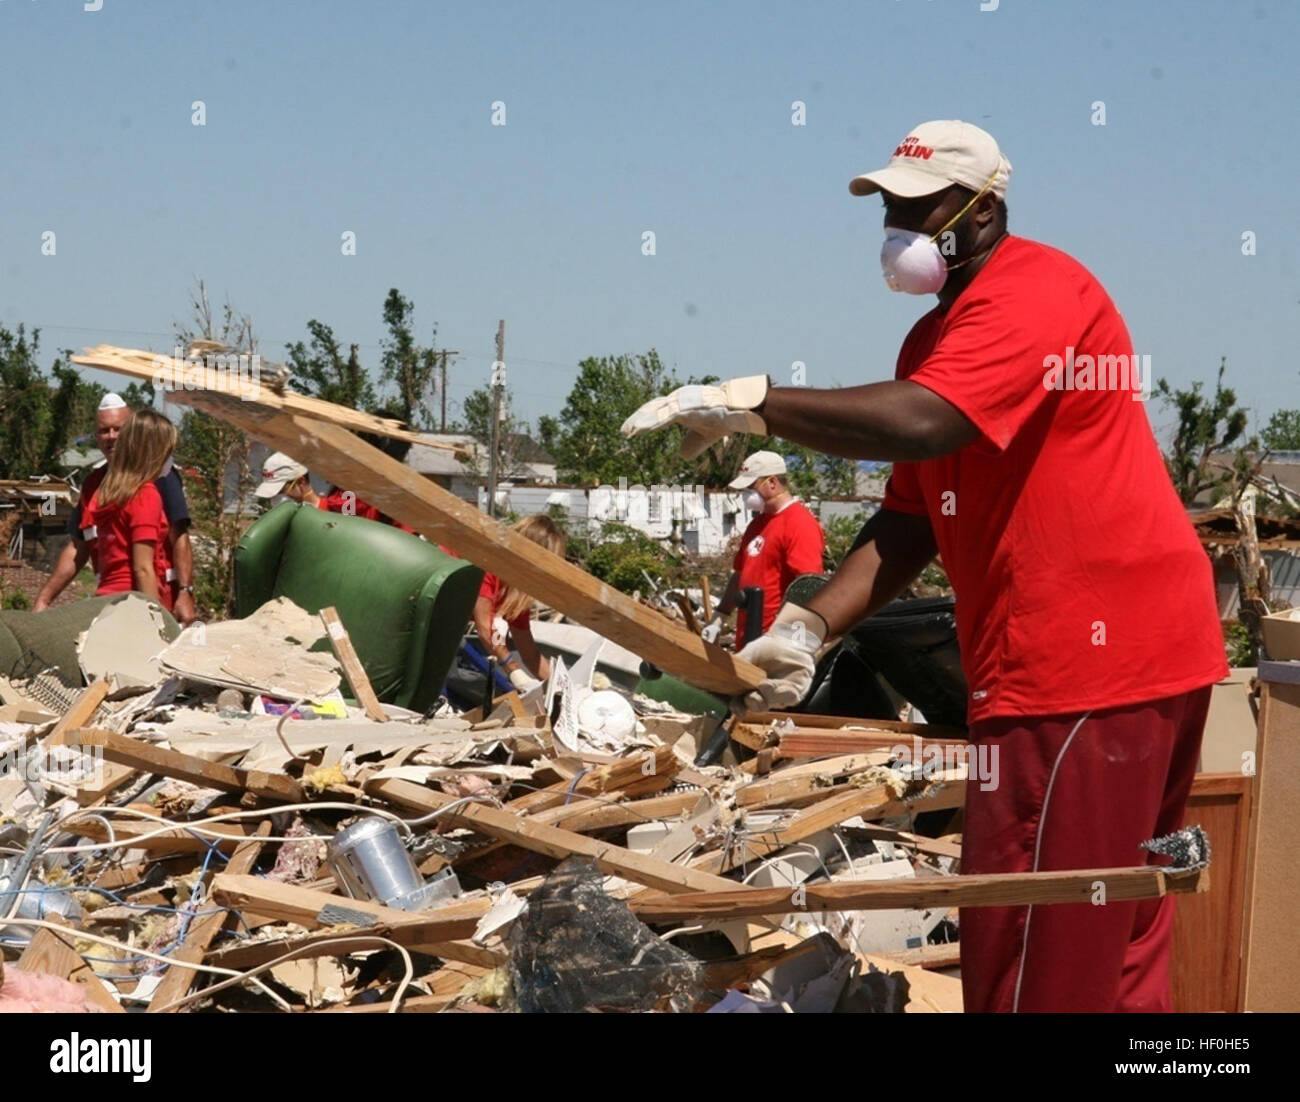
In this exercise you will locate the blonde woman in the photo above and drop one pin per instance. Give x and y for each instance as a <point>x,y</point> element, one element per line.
<point>127,515</point>
<point>502,614</point>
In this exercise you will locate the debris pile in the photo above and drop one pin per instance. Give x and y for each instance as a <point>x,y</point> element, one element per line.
<point>212,827</point>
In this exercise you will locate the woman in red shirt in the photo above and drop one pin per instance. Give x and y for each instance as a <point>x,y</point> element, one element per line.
<point>502,614</point>
<point>127,512</point>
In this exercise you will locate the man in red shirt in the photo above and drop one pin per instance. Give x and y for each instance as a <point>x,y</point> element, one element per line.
<point>783,541</point>
<point>1085,605</point>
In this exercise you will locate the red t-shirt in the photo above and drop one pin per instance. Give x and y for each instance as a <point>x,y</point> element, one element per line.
<point>117,528</point>
<point>492,588</point>
<point>775,549</point>
<point>348,504</point>
<point>1079,579</point>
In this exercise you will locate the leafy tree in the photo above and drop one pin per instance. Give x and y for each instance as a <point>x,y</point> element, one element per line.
<point>1282,433</point>
<point>585,440</point>
<point>319,367</point>
<point>1206,425</point>
<point>40,416</point>
<point>409,367</point>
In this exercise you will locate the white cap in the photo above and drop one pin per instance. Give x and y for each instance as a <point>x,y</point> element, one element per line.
<point>759,465</point>
<point>111,401</point>
<point>278,470</point>
<point>936,155</point>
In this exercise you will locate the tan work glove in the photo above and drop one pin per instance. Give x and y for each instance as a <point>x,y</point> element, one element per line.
<point>709,412</point>
<point>788,655</point>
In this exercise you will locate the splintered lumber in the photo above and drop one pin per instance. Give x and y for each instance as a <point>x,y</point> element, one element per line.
<point>433,932</point>
<point>222,377</point>
<point>149,758</point>
<point>801,781</point>
<point>812,820</point>
<point>399,491</point>
<point>176,980</point>
<point>1015,889</point>
<point>582,816</point>
<point>636,775</point>
<point>341,643</point>
<point>552,841</point>
<point>55,954</point>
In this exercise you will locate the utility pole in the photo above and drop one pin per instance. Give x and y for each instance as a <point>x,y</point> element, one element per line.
<point>498,384</point>
<point>443,389</point>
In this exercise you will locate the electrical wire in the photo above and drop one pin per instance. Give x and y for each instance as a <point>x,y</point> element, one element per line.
<point>407,979</point>
<point>82,935</point>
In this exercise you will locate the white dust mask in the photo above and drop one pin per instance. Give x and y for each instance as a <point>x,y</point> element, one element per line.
<point>754,501</point>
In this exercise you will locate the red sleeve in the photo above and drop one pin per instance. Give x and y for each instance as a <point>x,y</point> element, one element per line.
<point>144,515</point>
<point>490,588</point>
<point>804,544</point>
<point>989,360</point>
<point>903,491</point>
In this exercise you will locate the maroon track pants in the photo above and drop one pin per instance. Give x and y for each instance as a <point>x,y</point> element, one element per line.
<point>1076,792</point>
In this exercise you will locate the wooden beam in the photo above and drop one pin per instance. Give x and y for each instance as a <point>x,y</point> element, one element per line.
<point>149,758</point>
<point>140,364</point>
<point>55,954</point>
<point>177,978</point>
<point>552,841</point>
<point>83,708</point>
<point>434,932</point>
<point>991,890</point>
<point>399,491</point>
<point>341,643</point>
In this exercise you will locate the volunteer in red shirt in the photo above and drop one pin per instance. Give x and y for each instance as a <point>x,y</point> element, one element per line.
<point>503,614</point>
<point>110,418</point>
<point>126,511</point>
<point>282,474</point>
<point>1085,606</point>
<point>783,541</point>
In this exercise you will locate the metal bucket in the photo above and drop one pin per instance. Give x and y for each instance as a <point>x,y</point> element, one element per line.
<point>370,862</point>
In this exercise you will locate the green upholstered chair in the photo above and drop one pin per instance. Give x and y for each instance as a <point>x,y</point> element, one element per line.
<point>405,603</point>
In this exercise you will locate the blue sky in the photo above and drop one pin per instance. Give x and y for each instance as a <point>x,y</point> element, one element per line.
<point>325,117</point>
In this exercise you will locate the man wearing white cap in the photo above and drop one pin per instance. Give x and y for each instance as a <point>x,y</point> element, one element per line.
<point>282,474</point>
<point>783,541</point>
<point>1085,604</point>
<point>111,414</point>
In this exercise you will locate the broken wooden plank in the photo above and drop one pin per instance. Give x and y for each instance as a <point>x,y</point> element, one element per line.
<point>552,841</point>
<point>176,980</point>
<point>990,890</point>
<point>150,758</point>
<point>83,708</point>
<point>341,643</point>
<point>437,932</point>
<point>140,364</point>
<point>55,954</point>
<point>399,491</point>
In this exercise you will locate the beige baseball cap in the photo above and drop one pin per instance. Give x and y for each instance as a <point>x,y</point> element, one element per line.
<point>759,465</point>
<point>278,470</point>
<point>936,155</point>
